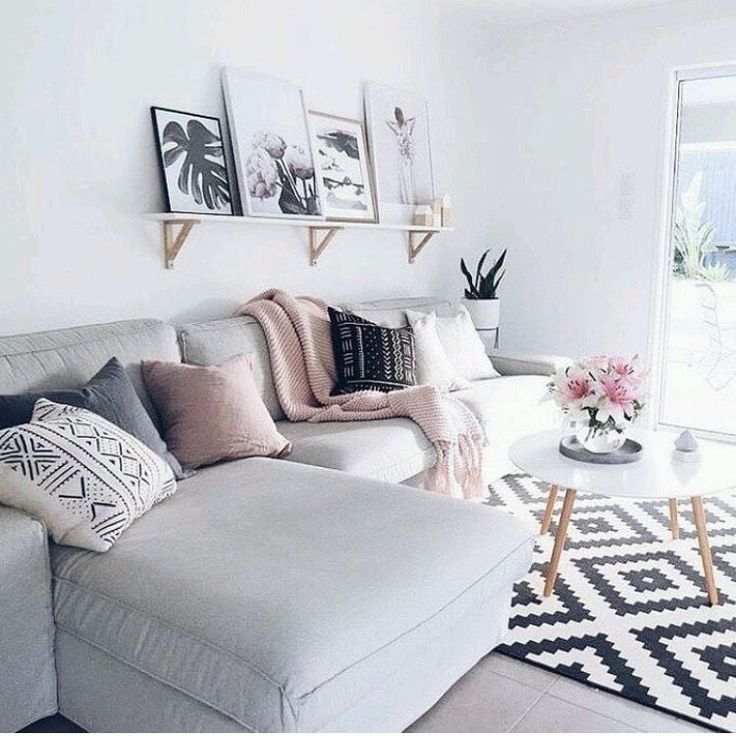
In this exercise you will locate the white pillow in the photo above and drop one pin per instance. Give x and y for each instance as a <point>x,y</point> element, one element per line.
<point>462,345</point>
<point>84,477</point>
<point>432,364</point>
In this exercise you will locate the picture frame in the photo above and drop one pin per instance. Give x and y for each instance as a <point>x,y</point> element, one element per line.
<point>191,156</point>
<point>344,172</point>
<point>401,150</point>
<point>272,146</point>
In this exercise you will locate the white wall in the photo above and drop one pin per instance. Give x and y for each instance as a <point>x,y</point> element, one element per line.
<point>550,138</point>
<point>78,166</point>
<point>576,141</point>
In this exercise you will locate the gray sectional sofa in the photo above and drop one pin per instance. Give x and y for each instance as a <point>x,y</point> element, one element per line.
<point>308,594</point>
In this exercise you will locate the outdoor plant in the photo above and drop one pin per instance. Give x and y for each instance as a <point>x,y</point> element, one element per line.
<point>601,393</point>
<point>693,236</point>
<point>715,273</point>
<point>484,286</point>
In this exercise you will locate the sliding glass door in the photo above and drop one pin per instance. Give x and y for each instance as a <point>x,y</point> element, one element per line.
<point>698,366</point>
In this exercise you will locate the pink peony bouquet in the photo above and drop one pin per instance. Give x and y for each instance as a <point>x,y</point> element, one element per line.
<point>602,394</point>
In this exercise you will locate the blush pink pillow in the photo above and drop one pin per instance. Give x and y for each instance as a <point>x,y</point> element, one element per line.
<point>212,413</point>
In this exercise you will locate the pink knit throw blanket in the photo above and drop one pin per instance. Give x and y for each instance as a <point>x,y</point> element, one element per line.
<point>297,332</point>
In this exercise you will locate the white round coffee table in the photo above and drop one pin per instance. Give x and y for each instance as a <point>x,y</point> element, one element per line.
<point>656,475</point>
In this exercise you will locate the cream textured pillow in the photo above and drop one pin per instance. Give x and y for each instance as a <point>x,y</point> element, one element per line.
<point>462,345</point>
<point>212,413</point>
<point>432,364</point>
<point>83,476</point>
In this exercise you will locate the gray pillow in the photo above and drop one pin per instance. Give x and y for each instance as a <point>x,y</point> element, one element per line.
<point>109,393</point>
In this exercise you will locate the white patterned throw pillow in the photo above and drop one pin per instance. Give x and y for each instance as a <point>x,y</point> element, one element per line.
<point>85,478</point>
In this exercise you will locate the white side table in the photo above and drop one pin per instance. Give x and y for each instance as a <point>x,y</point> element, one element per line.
<point>655,475</point>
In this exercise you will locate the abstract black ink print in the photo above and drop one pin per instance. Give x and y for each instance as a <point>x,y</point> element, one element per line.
<point>342,175</point>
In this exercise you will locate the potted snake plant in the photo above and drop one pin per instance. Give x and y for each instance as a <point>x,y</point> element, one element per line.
<point>481,295</point>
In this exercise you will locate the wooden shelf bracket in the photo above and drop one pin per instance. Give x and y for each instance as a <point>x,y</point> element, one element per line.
<point>178,225</point>
<point>319,239</point>
<point>417,241</point>
<point>173,240</point>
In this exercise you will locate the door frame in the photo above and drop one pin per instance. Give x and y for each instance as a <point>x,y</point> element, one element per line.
<point>659,334</point>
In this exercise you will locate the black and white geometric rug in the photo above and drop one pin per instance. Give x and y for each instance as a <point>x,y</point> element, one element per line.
<point>630,613</point>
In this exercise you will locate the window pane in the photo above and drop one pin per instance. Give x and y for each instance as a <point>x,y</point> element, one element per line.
<point>700,354</point>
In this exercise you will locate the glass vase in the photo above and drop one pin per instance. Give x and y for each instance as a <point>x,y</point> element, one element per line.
<point>600,441</point>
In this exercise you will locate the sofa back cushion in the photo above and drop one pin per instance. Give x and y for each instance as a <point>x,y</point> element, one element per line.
<point>392,312</point>
<point>212,343</point>
<point>69,358</point>
<point>213,413</point>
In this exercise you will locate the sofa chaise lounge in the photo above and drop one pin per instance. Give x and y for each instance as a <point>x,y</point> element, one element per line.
<point>316,594</point>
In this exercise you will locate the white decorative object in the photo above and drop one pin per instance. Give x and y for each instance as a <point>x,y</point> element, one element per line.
<point>485,313</point>
<point>462,345</point>
<point>398,132</point>
<point>271,146</point>
<point>423,215</point>
<point>448,211</point>
<point>437,211</point>
<point>686,448</point>
<point>433,367</point>
<point>84,477</point>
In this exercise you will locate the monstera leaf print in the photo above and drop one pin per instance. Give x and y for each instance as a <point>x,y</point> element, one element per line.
<point>200,173</point>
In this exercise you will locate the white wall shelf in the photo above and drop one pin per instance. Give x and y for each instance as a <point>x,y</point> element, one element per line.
<point>177,226</point>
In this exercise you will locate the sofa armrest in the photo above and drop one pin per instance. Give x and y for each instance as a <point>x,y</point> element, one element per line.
<point>28,671</point>
<point>526,364</point>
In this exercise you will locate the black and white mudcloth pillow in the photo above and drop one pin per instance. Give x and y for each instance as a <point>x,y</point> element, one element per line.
<point>369,357</point>
<point>84,477</point>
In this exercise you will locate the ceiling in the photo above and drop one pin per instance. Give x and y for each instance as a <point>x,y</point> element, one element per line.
<point>530,11</point>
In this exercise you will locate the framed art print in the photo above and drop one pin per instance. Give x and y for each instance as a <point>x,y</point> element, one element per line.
<point>192,160</point>
<point>344,177</point>
<point>271,146</point>
<point>398,134</point>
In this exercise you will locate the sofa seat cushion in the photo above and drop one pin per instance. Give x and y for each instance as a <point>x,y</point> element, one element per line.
<point>508,407</point>
<point>506,400</point>
<point>385,449</point>
<point>282,595</point>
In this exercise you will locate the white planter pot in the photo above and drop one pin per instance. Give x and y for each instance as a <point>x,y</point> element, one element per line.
<point>486,313</point>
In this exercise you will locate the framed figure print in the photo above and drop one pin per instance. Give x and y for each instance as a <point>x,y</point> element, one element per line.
<point>343,170</point>
<point>271,146</point>
<point>398,134</point>
<point>192,160</point>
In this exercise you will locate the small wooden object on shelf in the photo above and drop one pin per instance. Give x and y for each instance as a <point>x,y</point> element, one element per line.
<point>423,215</point>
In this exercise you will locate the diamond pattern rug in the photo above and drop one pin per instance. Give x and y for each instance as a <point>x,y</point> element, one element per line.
<point>630,613</point>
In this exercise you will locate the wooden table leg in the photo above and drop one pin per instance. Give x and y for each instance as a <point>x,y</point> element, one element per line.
<point>554,562</point>
<point>710,580</point>
<point>549,509</point>
<point>674,522</point>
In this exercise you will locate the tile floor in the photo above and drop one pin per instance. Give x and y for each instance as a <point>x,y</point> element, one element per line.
<point>501,694</point>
